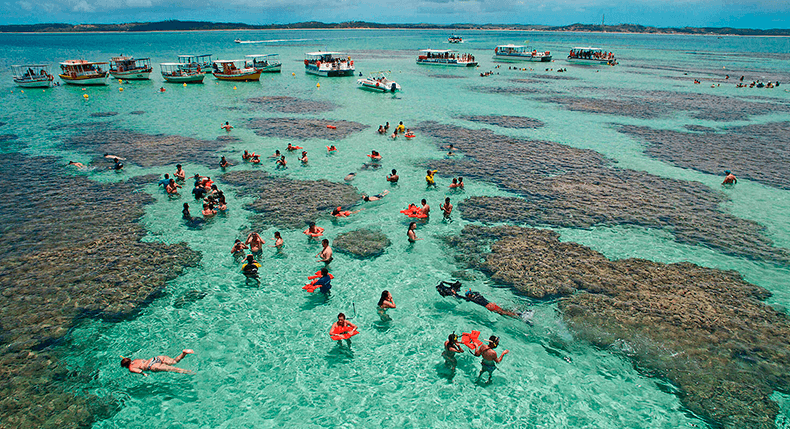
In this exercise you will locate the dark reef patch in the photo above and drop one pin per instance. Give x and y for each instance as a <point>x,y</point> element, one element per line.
<point>148,150</point>
<point>447,76</point>
<point>67,252</point>
<point>505,121</point>
<point>705,330</point>
<point>8,137</point>
<point>563,186</point>
<point>304,129</point>
<point>699,128</point>
<point>513,90</point>
<point>756,152</point>
<point>362,243</point>
<point>290,104</point>
<point>137,112</point>
<point>287,203</point>
<point>103,114</point>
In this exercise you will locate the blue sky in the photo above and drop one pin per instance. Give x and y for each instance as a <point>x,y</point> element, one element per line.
<point>661,13</point>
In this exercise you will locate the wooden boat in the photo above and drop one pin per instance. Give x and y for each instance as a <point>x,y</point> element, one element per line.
<point>178,73</point>
<point>33,75</point>
<point>81,72</point>
<point>269,63</point>
<point>328,64</point>
<point>197,63</point>
<point>130,68</point>
<point>236,70</point>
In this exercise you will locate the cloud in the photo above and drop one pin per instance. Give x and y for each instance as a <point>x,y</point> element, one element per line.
<point>83,6</point>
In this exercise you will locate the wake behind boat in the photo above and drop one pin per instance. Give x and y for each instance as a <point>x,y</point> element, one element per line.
<point>378,81</point>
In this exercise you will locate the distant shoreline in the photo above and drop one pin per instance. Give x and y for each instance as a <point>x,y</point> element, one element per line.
<point>193,26</point>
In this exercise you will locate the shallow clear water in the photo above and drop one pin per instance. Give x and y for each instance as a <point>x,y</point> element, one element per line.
<point>263,357</point>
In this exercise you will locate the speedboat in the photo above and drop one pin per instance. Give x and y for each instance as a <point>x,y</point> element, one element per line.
<point>33,76</point>
<point>179,73</point>
<point>130,68</point>
<point>593,56</point>
<point>520,53</point>
<point>81,72</point>
<point>445,57</point>
<point>269,63</point>
<point>455,39</point>
<point>378,81</point>
<point>236,70</point>
<point>329,64</point>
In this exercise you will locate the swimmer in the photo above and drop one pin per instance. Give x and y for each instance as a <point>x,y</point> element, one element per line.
<point>255,241</point>
<point>350,177</point>
<point>227,127</point>
<point>325,282</point>
<point>375,156</point>
<point>250,268</point>
<point>185,212</point>
<point>375,197</point>
<point>208,210</point>
<point>118,165</point>
<point>409,134</point>
<point>282,163</point>
<point>276,155</point>
<point>156,364</point>
<point>490,359</point>
<point>278,240</point>
<point>429,177</point>
<point>224,162</point>
<point>394,135</point>
<point>246,155</point>
<point>425,209</point>
<point>381,129</point>
<point>221,204</point>
<point>255,159</point>
<point>729,179</point>
<point>304,157</point>
<point>460,183</point>
<point>454,183</point>
<point>325,255</point>
<point>393,177</point>
<point>331,148</point>
<point>238,248</point>
<point>180,175</point>
<point>79,165</point>
<point>342,325</point>
<point>452,289</point>
<point>291,148</point>
<point>411,234</point>
<point>451,348</point>
<point>172,187</point>
<point>385,303</point>
<point>313,230</point>
<point>164,182</point>
<point>400,129</point>
<point>446,208</point>
<point>386,127</point>
<point>113,157</point>
<point>339,212</point>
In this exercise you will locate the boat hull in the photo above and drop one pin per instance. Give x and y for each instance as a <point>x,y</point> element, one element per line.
<point>447,63</point>
<point>591,62</point>
<point>519,58</point>
<point>41,83</point>
<point>242,77</point>
<point>329,73</point>
<point>377,86</point>
<point>132,74</point>
<point>272,69</point>
<point>84,80</point>
<point>196,78</point>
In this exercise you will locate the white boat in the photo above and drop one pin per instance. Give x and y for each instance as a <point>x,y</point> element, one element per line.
<point>455,39</point>
<point>520,53</point>
<point>235,70</point>
<point>377,81</point>
<point>33,76</point>
<point>269,63</point>
<point>81,72</point>
<point>197,63</point>
<point>591,56</point>
<point>445,57</point>
<point>178,73</point>
<point>329,64</point>
<point>130,68</point>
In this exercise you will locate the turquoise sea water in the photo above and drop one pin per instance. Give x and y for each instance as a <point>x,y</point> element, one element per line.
<point>262,354</point>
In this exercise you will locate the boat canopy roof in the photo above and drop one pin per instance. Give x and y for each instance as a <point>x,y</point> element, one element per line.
<point>171,64</point>
<point>194,56</point>
<point>31,65</point>
<point>511,46</point>
<point>437,51</point>
<point>81,63</point>
<point>587,49</point>
<point>262,55</point>
<point>326,53</point>
<point>122,58</point>
<point>228,61</point>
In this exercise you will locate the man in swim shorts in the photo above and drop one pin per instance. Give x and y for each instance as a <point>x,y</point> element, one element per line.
<point>729,179</point>
<point>156,364</point>
<point>447,208</point>
<point>325,255</point>
<point>490,359</point>
<point>393,177</point>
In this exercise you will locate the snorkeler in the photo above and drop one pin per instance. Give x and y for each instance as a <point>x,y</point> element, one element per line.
<point>156,364</point>
<point>490,358</point>
<point>451,348</point>
<point>453,289</point>
<point>375,197</point>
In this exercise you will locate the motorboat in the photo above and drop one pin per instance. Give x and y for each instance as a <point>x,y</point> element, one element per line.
<point>520,53</point>
<point>445,57</point>
<point>33,75</point>
<point>455,39</point>
<point>328,64</point>
<point>378,81</point>
<point>593,56</point>
<point>198,63</point>
<point>269,63</point>
<point>179,73</point>
<point>235,70</point>
<point>131,68</point>
<point>81,72</point>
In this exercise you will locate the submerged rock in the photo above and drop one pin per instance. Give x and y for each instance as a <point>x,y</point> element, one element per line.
<point>304,129</point>
<point>705,330</point>
<point>362,243</point>
<point>289,203</point>
<point>756,152</point>
<point>137,112</point>
<point>8,137</point>
<point>563,186</point>
<point>103,114</point>
<point>284,104</point>
<point>505,121</point>
<point>188,298</point>
<point>67,252</point>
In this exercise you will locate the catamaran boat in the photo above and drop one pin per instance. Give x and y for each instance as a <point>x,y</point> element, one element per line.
<point>269,63</point>
<point>377,81</point>
<point>455,39</point>
<point>179,73</point>
<point>591,56</point>
<point>520,53</point>
<point>236,70</point>
<point>329,64</point>
<point>33,76</point>
<point>197,63</point>
<point>81,72</point>
<point>130,68</point>
<point>445,57</point>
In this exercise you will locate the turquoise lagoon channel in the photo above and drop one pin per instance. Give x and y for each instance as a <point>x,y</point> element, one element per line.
<point>263,357</point>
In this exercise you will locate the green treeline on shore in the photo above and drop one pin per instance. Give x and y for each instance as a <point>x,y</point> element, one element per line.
<point>175,25</point>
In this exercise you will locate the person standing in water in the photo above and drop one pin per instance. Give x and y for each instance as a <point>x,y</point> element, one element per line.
<point>227,127</point>
<point>385,302</point>
<point>451,348</point>
<point>446,208</point>
<point>393,177</point>
<point>490,359</point>
<point>156,364</point>
<point>411,234</point>
<point>325,255</point>
<point>729,179</point>
<point>255,241</point>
